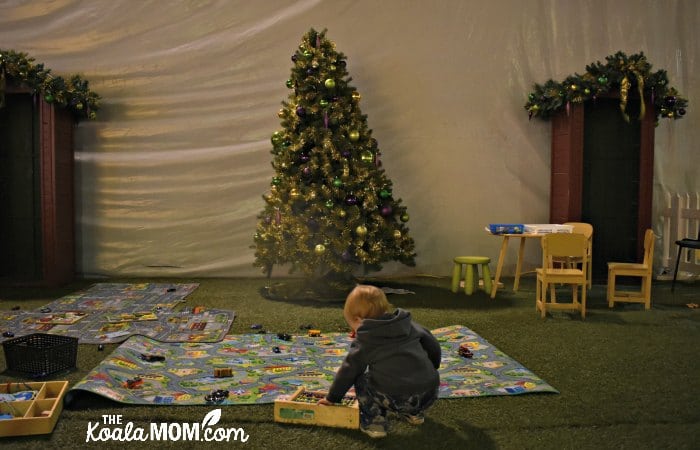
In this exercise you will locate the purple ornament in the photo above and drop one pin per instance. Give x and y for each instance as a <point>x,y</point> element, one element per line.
<point>351,200</point>
<point>346,256</point>
<point>306,171</point>
<point>325,119</point>
<point>304,157</point>
<point>346,153</point>
<point>294,57</point>
<point>301,112</point>
<point>386,210</point>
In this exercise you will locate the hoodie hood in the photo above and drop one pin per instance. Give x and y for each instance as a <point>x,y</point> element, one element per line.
<point>390,326</point>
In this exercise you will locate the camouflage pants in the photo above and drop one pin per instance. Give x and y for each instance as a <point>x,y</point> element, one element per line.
<point>374,405</point>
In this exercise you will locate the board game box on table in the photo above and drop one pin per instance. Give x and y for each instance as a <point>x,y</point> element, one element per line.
<point>30,408</point>
<point>302,407</point>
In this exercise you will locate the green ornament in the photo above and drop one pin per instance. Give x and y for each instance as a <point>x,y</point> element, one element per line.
<point>307,54</point>
<point>323,102</point>
<point>354,135</point>
<point>48,98</point>
<point>384,193</point>
<point>290,83</point>
<point>404,217</point>
<point>330,83</point>
<point>586,91</point>
<point>337,182</point>
<point>329,203</point>
<point>602,80</point>
<point>367,156</point>
<point>276,181</point>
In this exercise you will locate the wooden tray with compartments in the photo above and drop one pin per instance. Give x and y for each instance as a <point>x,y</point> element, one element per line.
<point>302,408</point>
<point>35,416</point>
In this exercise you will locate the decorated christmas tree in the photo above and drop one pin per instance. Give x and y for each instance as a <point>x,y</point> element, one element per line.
<point>331,208</point>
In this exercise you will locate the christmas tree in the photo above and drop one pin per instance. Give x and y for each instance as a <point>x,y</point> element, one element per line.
<point>331,208</point>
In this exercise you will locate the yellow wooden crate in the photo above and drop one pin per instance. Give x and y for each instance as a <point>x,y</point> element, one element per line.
<point>36,416</point>
<point>291,409</point>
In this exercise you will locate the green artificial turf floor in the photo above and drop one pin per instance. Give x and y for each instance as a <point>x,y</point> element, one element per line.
<point>627,378</point>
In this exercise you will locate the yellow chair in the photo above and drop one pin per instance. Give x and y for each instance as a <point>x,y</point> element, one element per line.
<point>643,271</point>
<point>585,229</point>
<point>559,246</point>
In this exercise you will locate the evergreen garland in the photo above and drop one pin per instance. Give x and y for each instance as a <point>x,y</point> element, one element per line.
<point>621,73</point>
<point>18,68</point>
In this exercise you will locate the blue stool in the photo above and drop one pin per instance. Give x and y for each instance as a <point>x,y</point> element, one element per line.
<point>471,274</point>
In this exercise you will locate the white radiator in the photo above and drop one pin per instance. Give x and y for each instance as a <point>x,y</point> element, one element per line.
<point>680,218</point>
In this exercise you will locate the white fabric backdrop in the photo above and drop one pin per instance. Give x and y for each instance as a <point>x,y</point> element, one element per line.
<point>170,176</point>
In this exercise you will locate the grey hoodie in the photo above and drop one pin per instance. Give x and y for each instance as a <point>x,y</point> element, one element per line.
<point>402,356</point>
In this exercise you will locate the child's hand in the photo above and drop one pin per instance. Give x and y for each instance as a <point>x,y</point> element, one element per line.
<point>324,401</point>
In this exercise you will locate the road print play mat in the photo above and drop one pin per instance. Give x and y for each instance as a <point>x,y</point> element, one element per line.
<point>111,312</point>
<point>263,366</point>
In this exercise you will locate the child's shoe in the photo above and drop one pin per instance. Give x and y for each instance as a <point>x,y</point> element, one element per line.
<point>418,419</point>
<point>374,431</point>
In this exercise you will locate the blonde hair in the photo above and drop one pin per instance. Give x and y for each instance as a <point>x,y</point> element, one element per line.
<point>366,302</point>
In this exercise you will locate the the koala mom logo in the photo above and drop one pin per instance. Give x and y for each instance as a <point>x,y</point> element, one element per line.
<point>112,429</point>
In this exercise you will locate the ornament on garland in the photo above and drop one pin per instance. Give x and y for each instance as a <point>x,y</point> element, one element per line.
<point>621,72</point>
<point>74,94</point>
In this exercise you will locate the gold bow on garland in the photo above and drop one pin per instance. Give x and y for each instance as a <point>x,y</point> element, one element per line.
<point>620,72</point>
<point>624,89</point>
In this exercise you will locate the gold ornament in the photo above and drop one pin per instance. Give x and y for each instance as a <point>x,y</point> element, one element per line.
<point>342,213</point>
<point>320,249</point>
<point>280,113</point>
<point>356,96</point>
<point>294,193</point>
<point>361,231</point>
<point>354,135</point>
<point>397,234</point>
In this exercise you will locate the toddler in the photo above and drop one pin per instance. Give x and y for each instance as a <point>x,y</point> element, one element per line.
<point>392,362</point>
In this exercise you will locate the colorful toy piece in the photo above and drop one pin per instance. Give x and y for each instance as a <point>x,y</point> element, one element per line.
<point>284,336</point>
<point>198,310</point>
<point>223,372</point>
<point>217,396</point>
<point>464,351</point>
<point>152,358</point>
<point>314,333</point>
<point>133,383</point>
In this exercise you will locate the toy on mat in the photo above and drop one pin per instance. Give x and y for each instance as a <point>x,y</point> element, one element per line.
<point>217,396</point>
<point>198,310</point>
<point>314,333</point>
<point>464,351</point>
<point>302,407</point>
<point>133,383</point>
<point>151,358</point>
<point>284,336</point>
<point>223,372</point>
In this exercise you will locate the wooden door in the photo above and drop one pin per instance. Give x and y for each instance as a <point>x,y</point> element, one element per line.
<point>36,191</point>
<point>598,159</point>
<point>610,195</point>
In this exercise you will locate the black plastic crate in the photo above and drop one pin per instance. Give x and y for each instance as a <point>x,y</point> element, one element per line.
<point>39,355</point>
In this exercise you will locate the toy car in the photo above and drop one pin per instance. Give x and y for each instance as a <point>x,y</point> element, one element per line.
<point>464,351</point>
